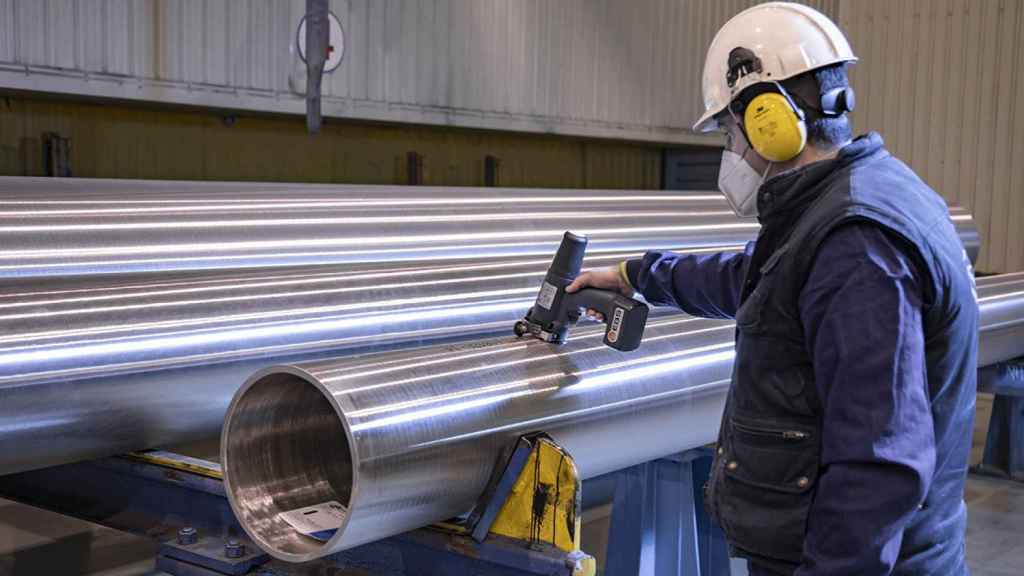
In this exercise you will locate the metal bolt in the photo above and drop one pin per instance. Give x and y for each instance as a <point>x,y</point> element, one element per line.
<point>732,465</point>
<point>234,549</point>
<point>803,482</point>
<point>187,536</point>
<point>721,450</point>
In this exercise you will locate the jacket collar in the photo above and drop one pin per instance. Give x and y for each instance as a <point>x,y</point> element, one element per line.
<point>794,190</point>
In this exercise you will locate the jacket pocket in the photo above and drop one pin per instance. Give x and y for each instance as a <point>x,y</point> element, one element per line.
<point>748,317</point>
<point>765,486</point>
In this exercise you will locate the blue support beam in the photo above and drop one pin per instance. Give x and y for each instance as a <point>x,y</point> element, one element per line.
<point>1004,444</point>
<point>658,524</point>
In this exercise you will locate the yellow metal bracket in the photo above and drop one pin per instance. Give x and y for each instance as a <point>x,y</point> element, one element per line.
<point>178,462</point>
<point>535,499</point>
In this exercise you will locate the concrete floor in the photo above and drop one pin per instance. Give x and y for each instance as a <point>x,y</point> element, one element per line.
<point>35,542</point>
<point>995,520</point>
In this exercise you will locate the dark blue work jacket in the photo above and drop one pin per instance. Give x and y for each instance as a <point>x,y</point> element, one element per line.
<point>843,449</point>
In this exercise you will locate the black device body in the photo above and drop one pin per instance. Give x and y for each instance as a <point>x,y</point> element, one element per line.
<point>556,310</point>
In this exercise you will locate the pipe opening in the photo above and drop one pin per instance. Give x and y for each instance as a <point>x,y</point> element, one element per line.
<point>285,449</point>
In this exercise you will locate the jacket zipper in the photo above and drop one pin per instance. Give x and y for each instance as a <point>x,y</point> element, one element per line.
<point>788,435</point>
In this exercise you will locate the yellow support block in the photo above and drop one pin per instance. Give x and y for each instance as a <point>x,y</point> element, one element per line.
<point>544,501</point>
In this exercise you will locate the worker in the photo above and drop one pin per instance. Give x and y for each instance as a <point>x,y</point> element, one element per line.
<point>844,442</point>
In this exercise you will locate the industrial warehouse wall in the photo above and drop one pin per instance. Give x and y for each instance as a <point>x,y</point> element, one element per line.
<point>942,80</point>
<point>122,141</point>
<point>607,68</point>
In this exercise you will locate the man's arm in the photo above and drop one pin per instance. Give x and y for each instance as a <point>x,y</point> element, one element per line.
<point>705,285</point>
<point>862,314</point>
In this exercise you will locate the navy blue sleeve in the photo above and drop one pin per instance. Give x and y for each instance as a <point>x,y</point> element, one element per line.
<point>861,312</point>
<point>707,285</point>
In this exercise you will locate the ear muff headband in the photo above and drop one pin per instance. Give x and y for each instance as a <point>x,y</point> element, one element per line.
<point>775,126</point>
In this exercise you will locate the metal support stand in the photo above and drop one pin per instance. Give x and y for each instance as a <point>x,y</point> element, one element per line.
<point>658,523</point>
<point>659,527</point>
<point>1004,444</point>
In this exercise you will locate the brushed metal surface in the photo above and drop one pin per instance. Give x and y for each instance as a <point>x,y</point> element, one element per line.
<point>95,367</point>
<point>61,227</point>
<point>80,227</point>
<point>1001,325</point>
<point>408,438</point>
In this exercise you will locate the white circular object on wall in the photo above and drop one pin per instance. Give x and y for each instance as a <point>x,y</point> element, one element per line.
<point>335,42</point>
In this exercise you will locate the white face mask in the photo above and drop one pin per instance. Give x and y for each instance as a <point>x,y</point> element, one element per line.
<point>739,182</point>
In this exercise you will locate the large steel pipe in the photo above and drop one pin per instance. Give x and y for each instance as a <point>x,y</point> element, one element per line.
<point>76,227</point>
<point>95,367</point>
<point>57,227</point>
<point>409,438</point>
<point>1001,300</point>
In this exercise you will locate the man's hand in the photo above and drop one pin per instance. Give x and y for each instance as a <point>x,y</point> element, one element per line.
<point>604,279</point>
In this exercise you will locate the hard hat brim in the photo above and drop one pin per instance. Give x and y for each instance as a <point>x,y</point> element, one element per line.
<point>708,122</point>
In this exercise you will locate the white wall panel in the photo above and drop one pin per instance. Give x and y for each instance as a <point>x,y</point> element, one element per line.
<point>588,67</point>
<point>142,40</point>
<point>8,40</point>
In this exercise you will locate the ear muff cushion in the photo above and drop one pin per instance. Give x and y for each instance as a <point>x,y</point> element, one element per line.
<point>774,129</point>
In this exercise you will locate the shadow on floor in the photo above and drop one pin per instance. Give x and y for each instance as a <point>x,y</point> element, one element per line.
<point>36,542</point>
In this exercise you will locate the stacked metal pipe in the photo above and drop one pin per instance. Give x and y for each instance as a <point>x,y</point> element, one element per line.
<point>61,227</point>
<point>91,369</point>
<point>130,311</point>
<point>86,228</point>
<point>100,359</point>
<point>406,438</point>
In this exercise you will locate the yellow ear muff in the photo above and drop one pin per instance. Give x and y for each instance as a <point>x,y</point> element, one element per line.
<point>775,130</point>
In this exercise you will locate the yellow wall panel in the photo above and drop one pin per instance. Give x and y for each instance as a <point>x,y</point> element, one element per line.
<point>111,140</point>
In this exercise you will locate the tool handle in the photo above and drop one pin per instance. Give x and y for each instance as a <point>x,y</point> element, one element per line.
<point>568,259</point>
<point>624,317</point>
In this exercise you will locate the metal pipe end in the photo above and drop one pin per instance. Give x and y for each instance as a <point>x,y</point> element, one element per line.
<point>286,446</point>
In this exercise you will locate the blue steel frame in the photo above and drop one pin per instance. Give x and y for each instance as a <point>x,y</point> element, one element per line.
<point>1004,444</point>
<point>658,524</point>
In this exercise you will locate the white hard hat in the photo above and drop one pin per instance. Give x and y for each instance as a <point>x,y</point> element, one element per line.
<point>786,38</point>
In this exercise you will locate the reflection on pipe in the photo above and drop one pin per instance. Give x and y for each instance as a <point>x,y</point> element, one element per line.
<point>78,227</point>
<point>82,227</point>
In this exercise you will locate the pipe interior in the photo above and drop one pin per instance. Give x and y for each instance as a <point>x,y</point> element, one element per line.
<point>286,449</point>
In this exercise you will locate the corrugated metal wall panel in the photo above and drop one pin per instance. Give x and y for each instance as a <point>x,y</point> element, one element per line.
<point>30,20</point>
<point>621,69</point>
<point>1006,111</point>
<point>1015,190</point>
<point>8,41</point>
<point>941,80</point>
<point>633,67</point>
<point>143,38</point>
<point>118,39</point>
